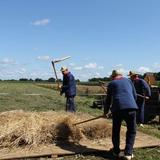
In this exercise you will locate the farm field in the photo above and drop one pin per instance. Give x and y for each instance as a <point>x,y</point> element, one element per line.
<point>33,97</point>
<point>81,89</point>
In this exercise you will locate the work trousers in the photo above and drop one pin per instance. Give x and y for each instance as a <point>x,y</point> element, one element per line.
<point>70,104</point>
<point>140,112</point>
<point>129,116</point>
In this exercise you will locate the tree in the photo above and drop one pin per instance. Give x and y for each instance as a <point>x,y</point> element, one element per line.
<point>51,79</point>
<point>77,80</point>
<point>38,80</point>
<point>157,75</point>
<point>99,79</point>
<point>23,79</point>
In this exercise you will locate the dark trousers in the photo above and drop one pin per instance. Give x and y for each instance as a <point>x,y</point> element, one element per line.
<point>140,112</point>
<point>129,116</point>
<point>70,104</point>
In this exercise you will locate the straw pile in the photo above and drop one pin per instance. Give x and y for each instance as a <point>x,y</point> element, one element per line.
<point>20,129</point>
<point>97,130</point>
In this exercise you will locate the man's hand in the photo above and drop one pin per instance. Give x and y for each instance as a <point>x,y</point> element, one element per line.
<point>59,86</point>
<point>60,89</point>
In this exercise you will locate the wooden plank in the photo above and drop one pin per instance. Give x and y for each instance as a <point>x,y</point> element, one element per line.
<point>56,155</point>
<point>86,146</point>
<point>50,154</point>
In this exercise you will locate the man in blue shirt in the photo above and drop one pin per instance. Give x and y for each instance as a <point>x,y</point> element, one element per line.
<point>69,88</point>
<point>121,100</point>
<point>142,88</point>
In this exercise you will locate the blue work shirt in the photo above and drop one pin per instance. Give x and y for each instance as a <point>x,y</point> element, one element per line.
<point>121,94</point>
<point>69,85</point>
<point>141,87</point>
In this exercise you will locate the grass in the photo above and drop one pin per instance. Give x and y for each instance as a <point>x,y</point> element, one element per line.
<point>144,153</point>
<point>18,100</point>
<point>81,89</point>
<point>152,129</point>
<point>49,99</point>
<point>147,153</point>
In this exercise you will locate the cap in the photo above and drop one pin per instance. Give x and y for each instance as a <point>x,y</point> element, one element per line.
<point>116,73</point>
<point>132,73</point>
<point>64,68</point>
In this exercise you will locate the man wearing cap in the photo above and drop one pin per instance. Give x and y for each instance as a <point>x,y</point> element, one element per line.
<point>121,100</point>
<point>142,88</point>
<point>69,88</point>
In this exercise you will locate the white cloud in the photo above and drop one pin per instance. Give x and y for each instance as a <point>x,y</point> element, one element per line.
<point>143,69</point>
<point>119,66</point>
<point>100,67</point>
<point>7,61</point>
<point>40,74</point>
<point>43,58</point>
<point>41,22</point>
<point>78,68</point>
<point>22,71</point>
<point>91,66</point>
<point>87,59</point>
<point>121,69</point>
<point>83,76</point>
<point>97,75</point>
<point>35,49</point>
<point>109,73</point>
<point>156,65</point>
<point>72,64</point>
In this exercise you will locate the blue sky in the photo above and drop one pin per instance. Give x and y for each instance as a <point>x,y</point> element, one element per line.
<point>99,35</point>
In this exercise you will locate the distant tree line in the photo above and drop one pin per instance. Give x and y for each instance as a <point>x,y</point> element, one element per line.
<point>36,80</point>
<point>106,79</point>
<point>99,79</point>
<point>39,80</point>
<point>33,80</point>
<point>157,75</point>
<point>51,79</point>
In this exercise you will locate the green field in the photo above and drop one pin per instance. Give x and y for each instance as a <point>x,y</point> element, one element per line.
<point>31,97</point>
<point>15,96</point>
